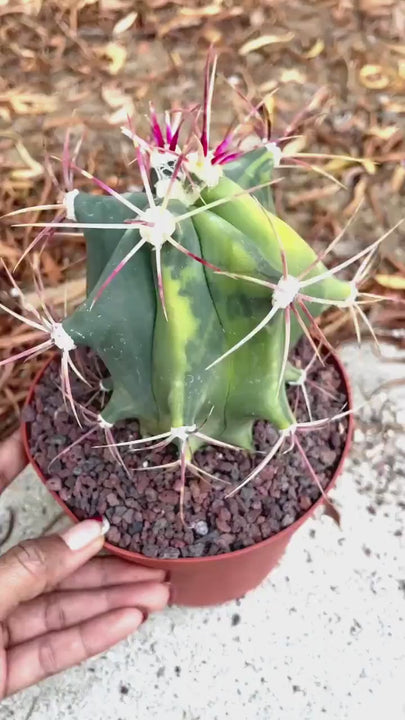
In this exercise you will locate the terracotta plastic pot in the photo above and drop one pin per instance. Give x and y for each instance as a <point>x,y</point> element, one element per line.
<point>197,582</point>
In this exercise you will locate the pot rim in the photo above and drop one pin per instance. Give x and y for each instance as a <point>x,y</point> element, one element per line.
<point>170,562</point>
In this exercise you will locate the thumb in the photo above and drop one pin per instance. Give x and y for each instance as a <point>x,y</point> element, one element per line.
<point>12,459</point>
<point>35,566</point>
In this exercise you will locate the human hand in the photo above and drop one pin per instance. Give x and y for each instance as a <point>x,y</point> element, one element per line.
<point>58,606</point>
<point>12,459</point>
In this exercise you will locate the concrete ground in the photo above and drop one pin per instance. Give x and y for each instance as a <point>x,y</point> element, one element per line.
<point>323,637</point>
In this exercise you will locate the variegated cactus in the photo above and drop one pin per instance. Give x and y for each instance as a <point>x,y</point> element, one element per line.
<point>196,290</point>
<point>191,312</point>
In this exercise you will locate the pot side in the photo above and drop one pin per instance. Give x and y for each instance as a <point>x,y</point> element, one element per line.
<point>204,581</point>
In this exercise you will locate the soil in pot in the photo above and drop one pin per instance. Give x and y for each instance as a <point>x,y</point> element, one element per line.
<point>143,509</point>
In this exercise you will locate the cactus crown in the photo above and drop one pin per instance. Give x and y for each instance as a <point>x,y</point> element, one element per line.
<point>196,290</point>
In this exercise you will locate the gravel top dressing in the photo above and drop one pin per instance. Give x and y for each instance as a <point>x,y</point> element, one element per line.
<point>144,509</point>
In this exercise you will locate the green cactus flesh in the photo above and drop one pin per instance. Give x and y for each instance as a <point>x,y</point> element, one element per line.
<point>158,366</point>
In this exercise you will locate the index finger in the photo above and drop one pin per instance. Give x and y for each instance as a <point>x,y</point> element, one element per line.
<point>35,566</point>
<point>12,459</point>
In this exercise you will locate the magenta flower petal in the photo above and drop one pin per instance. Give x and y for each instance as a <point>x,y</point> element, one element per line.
<point>230,158</point>
<point>223,146</point>
<point>175,138</point>
<point>157,133</point>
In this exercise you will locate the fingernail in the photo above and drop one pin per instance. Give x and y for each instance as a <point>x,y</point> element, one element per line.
<point>84,533</point>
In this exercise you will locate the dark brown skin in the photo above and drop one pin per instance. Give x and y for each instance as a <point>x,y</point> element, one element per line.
<point>12,459</point>
<point>60,606</point>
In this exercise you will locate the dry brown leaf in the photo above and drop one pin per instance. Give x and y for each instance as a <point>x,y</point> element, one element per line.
<point>9,252</point>
<point>257,17</point>
<point>374,77</point>
<point>339,164</point>
<point>383,133</point>
<point>177,23</point>
<point>51,268</point>
<point>5,115</point>
<point>115,54</point>
<point>212,35</point>
<point>394,282</point>
<point>109,5</point>
<point>205,11</point>
<point>376,8</point>
<point>24,102</point>
<point>176,59</point>
<point>80,4</point>
<point>5,374</point>
<point>331,511</point>
<point>73,291</point>
<point>292,76</point>
<point>28,7</point>
<point>116,98</point>
<point>158,4</point>
<point>358,195</point>
<point>125,23</point>
<point>33,170</point>
<point>397,179</point>
<point>394,107</point>
<point>397,48</point>
<point>264,41</point>
<point>269,103</point>
<point>313,195</point>
<point>23,52</point>
<point>317,48</point>
<point>268,87</point>
<point>295,146</point>
<point>120,116</point>
<point>11,340</point>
